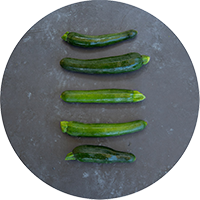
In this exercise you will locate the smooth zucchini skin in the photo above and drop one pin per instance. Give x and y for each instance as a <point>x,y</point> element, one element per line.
<point>99,154</point>
<point>89,41</point>
<point>107,65</point>
<point>102,96</point>
<point>79,129</point>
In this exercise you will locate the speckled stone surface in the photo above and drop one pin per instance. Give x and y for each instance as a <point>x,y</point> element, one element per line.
<point>32,108</point>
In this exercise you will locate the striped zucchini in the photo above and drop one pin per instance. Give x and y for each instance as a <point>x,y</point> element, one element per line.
<point>99,154</point>
<point>88,41</point>
<point>107,65</point>
<point>79,129</point>
<point>102,96</point>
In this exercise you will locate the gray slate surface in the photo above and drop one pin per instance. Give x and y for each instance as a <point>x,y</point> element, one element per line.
<point>32,108</point>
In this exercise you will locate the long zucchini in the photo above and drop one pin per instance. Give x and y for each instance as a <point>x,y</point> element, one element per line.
<point>102,96</point>
<point>82,40</point>
<point>79,129</point>
<point>107,65</point>
<point>99,154</point>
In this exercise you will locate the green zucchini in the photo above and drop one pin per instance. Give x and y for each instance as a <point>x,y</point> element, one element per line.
<point>102,96</point>
<point>81,40</point>
<point>107,65</point>
<point>99,154</point>
<point>79,129</point>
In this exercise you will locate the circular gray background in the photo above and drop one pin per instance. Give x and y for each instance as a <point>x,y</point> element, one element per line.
<point>32,108</point>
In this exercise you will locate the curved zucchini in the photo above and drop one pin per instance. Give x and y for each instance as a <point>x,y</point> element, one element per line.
<point>79,129</point>
<point>102,96</point>
<point>107,65</point>
<point>81,40</point>
<point>99,154</point>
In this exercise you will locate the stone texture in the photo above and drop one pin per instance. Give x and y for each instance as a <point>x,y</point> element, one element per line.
<point>32,108</point>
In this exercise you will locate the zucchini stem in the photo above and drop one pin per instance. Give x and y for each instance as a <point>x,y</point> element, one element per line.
<point>137,96</point>
<point>70,156</point>
<point>64,126</point>
<point>64,37</point>
<point>145,59</point>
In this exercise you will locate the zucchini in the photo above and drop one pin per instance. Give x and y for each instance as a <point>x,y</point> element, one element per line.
<point>81,40</point>
<point>79,129</point>
<point>99,154</point>
<point>107,65</point>
<point>102,96</point>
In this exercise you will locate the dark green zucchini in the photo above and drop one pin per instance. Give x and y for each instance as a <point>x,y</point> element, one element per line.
<point>79,129</point>
<point>107,65</point>
<point>102,96</point>
<point>81,40</point>
<point>99,154</point>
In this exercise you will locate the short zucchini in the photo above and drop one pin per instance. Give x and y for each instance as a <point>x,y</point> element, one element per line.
<point>79,129</point>
<point>107,65</point>
<point>81,40</point>
<point>99,154</point>
<point>102,96</point>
